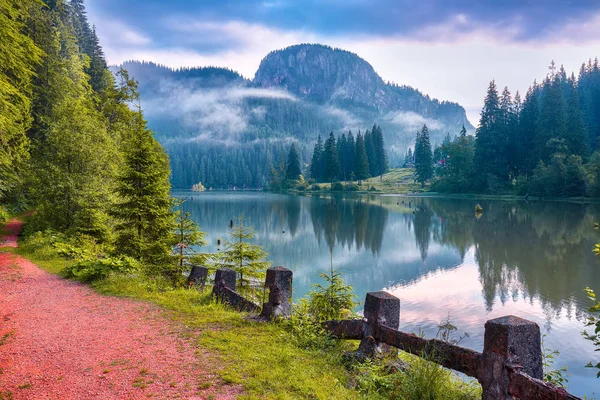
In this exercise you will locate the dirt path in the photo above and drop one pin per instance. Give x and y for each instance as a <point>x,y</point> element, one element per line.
<point>61,340</point>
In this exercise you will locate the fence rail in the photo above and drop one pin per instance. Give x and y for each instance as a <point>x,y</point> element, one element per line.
<point>510,366</point>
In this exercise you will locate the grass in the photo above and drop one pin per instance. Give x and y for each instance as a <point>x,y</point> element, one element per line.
<point>263,359</point>
<point>396,181</point>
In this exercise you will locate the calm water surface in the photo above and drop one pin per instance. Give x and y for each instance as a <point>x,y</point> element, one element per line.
<point>528,259</point>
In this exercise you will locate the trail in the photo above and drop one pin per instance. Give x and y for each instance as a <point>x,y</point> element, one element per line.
<point>61,340</point>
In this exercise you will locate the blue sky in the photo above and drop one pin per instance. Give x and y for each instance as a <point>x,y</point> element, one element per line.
<point>447,49</point>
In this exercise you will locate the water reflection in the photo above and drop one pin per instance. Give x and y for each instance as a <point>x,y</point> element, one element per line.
<point>529,259</point>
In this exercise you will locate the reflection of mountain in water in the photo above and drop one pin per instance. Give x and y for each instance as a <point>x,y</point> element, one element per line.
<point>522,250</point>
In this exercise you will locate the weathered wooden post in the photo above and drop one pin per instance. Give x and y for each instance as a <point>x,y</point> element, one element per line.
<point>512,341</point>
<point>198,276</point>
<point>384,309</point>
<point>279,282</point>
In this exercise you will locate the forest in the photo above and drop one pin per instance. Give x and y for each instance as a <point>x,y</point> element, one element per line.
<point>545,145</point>
<point>74,143</point>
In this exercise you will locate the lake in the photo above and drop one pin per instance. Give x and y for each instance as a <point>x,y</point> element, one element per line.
<point>530,259</point>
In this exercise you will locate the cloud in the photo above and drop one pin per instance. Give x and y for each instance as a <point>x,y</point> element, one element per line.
<point>411,121</point>
<point>215,114</point>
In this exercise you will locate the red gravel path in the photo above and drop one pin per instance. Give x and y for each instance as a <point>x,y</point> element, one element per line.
<point>61,340</point>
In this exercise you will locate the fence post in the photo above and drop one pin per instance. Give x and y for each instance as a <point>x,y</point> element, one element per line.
<point>380,308</point>
<point>224,277</point>
<point>198,276</point>
<point>509,340</point>
<point>279,282</point>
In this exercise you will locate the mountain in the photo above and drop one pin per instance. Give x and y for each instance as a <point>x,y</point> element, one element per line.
<point>224,130</point>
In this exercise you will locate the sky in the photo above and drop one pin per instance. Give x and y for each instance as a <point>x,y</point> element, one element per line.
<point>448,49</point>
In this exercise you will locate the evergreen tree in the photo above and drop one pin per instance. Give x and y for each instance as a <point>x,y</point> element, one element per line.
<point>145,220</point>
<point>316,164</point>
<point>361,170</point>
<point>19,56</point>
<point>527,133</point>
<point>350,154</point>
<point>331,161</point>
<point>488,161</point>
<point>552,119</point>
<point>576,140</point>
<point>187,234</point>
<point>423,157</point>
<point>343,157</point>
<point>379,150</point>
<point>246,259</point>
<point>371,154</point>
<point>293,170</point>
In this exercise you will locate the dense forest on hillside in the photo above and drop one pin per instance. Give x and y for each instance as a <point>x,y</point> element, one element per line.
<point>544,145</point>
<point>75,146</point>
<point>226,131</point>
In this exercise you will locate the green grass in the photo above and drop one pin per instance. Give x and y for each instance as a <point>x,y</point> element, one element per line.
<point>263,359</point>
<point>397,181</point>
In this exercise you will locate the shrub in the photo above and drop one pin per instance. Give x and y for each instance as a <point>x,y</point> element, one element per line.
<point>93,270</point>
<point>353,187</point>
<point>4,215</point>
<point>301,187</point>
<point>315,187</point>
<point>337,186</point>
<point>372,189</point>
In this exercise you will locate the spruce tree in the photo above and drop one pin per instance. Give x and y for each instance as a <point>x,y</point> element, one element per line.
<point>380,154</point>
<point>293,170</point>
<point>553,117</point>
<point>145,220</point>
<point>19,56</point>
<point>577,140</point>
<point>343,158</point>
<point>371,154</point>
<point>350,153</point>
<point>361,170</point>
<point>187,234</point>
<point>527,133</point>
<point>248,260</point>
<point>423,157</point>
<point>485,161</point>
<point>331,161</point>
<point>316,163</point>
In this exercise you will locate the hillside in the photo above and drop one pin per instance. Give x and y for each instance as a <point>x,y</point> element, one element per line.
<point>224,130</point>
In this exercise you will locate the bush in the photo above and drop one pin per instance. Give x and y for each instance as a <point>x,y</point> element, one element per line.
<point>372,189</point>
<point>4,215</point>
<point>353,187</point>
<point>93,270</point>
<point>315,187</point>
<point>301,187</point>
<point>337,187</point>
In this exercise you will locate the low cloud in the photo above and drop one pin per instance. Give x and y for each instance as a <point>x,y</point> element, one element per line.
<point>216,114</point>
<point>410,121</point>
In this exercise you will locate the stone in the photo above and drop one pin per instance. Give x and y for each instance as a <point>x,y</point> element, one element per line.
<point>225,277</point>
<point>198,276</point>
<point>381,308</point>
<point>279,282</point>
<point>511,341</point>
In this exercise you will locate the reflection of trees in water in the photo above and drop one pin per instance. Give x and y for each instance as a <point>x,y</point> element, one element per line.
<point>346,222</point>
<point>525,249</point>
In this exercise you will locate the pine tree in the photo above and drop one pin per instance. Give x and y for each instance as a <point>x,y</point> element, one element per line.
<point>331,161</point>
<point>552,119</point>
<point>343,158</point>
<point>379,150</point>
<point>187,234</point>
<point>293,170</point>
<point>246,259</point>
<point>487,160</point>
<point>527,133</point>
<point>316,164</point>
<point>145,220</point>
<point>577,140</point>
<point>361,170</point>
<point>19,57</point>
<point>350,153</point>
<point>423,157</point>
<point>371,154</point>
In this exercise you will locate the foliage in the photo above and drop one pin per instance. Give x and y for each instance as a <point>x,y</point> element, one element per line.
<point>593,322</point>
<point>93,270</point>
<point>187,234</point>
<point>557,377</point>
<point>335,300</point>
<point>248,260</point>
<point>145,221</point>
<point>423,157</point>
<point>293,168</point>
